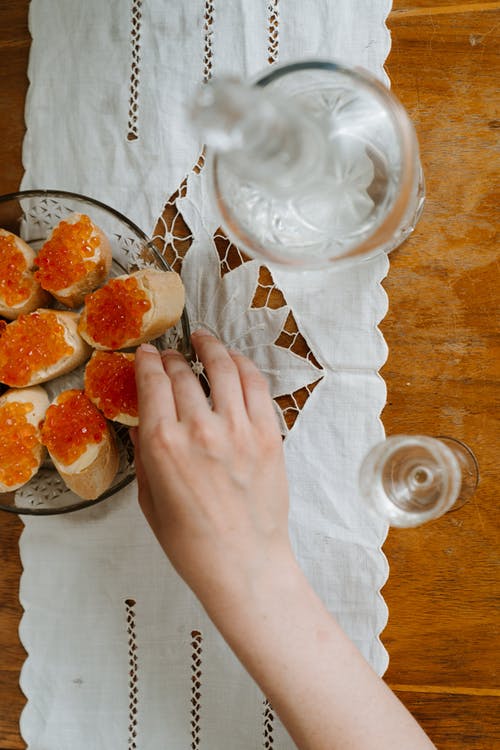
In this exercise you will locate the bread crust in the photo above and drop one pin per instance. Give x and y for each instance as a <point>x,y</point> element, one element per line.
<point>38,297</point>
<point>39,399</point>
<point>81,350</point>
<point>165,292</point>
<point>98,476</point>
<point>93,472</point>
<point>127,419</point>
<point>74,295</point>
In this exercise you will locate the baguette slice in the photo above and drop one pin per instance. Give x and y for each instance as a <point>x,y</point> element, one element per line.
<point>40,346</point>
<point>20,292</point>
<point>21,449</point>
<point>129,310</point>
<point>81,444</point>
<point>110,385</point>
<point>75,260</point>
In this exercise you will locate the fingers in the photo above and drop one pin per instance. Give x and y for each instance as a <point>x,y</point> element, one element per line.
<point>258,401</point>
<point>154,390</point>
<point>167,387</point>
<point>145,497</point>
<point>187,392</point>
<point>225,385</point>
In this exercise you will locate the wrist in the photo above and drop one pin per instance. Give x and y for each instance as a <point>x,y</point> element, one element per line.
<point>249,586</point>
<point>254,611</point>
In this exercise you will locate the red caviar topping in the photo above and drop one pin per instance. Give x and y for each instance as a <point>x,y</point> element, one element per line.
<point>71,425</point>
<point>18,442</point>
<point>110,383</point>
<point>114,313</point>
<point>15,286</point>
<point>66,256</point>
<point>32,342</point>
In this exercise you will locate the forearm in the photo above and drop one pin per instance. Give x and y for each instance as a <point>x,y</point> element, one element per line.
<point>297,653</point>
<point>212,483</point>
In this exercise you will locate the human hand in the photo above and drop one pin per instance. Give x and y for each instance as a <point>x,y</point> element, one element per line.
<point>211,481</point>
<point>212,485</point>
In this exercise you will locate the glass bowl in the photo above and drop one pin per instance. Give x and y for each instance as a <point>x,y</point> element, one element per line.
<point>32,214</point>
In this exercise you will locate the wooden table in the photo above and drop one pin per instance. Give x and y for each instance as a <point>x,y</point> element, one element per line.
<point>442,372</point>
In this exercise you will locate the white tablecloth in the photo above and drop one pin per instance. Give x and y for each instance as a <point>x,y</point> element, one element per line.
<point>120,654</point>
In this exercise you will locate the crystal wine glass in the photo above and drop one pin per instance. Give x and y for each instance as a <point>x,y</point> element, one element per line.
<point>411,479</point>
<point>312,164</point>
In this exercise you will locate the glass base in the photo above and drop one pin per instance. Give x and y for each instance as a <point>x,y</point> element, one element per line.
<point>468,466</point>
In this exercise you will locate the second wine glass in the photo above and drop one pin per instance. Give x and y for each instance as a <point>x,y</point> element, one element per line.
<point>411,479</point>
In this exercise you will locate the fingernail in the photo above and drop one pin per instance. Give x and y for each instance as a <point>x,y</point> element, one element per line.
<point>201,332</point>
<point>149,348</point>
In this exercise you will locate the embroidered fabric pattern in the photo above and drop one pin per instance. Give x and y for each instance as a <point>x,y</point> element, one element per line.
<point>230,255</point>
<point>171,236</point>
<point>196,652</point>
<point>273,42</point>
<point>133,675</point>
<point>175,244</point>
<point>268,720</point>
<point>208,31</point>
<point>135,41</point>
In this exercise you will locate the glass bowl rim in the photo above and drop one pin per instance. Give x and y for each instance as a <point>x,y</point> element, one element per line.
<point>48,193</point>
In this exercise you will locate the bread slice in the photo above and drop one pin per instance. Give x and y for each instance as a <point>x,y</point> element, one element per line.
<point>77,250</point>
<point>81,444</point>
<point>21,449</point>
<point>110,385</point>
<point>20,292</point>
<point>34,349</point>
<point>107,320</point>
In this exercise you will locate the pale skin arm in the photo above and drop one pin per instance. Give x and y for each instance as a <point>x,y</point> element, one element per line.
<point>213,487</point>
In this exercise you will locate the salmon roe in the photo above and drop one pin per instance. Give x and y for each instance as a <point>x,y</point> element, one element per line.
<point>71,425</point>
<point>110,383</point>
<point>15,286</point>
<point>66,256</point>
<point>32,342</point>
<point>18,442</point>
<point>114,313</point>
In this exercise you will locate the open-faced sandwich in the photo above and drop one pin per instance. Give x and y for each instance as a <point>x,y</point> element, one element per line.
<point>21,449</point>
<point>74,260</point>
<point>40,346</point>
<point>81,444</point>
<point>110,385</point>
<point>130,310</point>
<point>20,291</point>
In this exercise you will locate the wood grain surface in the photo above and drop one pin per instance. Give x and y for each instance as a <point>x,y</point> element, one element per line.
<point>14,51</point>
<point>442,372</point>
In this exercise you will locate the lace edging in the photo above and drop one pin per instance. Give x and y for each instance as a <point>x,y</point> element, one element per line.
<point>385,562</point>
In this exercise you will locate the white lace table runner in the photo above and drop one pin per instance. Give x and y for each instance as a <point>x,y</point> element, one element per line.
<point>120,654</point>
